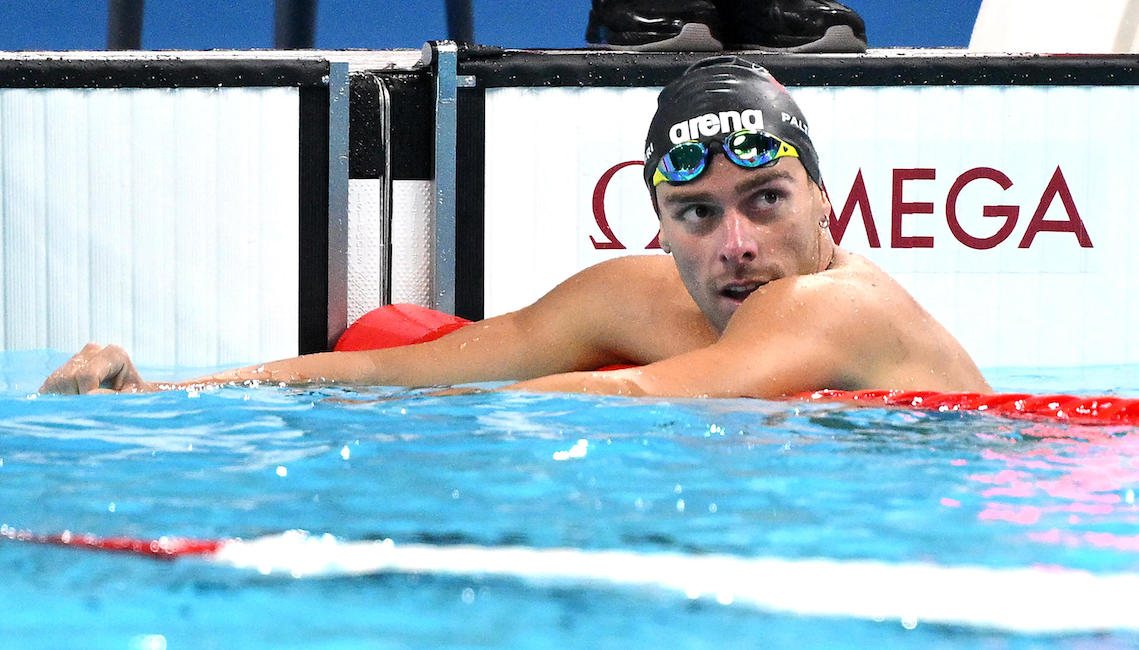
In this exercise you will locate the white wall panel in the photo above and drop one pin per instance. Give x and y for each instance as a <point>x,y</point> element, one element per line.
<point>1052,303</point>
<point>161,219</point>
<point>538,204</point>
<point>365,237</point>
<point>413,247</point>
<point>67,201</point>
<point>197,228</point>
<point>25,305</point>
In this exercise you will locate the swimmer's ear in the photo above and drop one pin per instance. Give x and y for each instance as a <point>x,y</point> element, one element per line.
<point>824,197</point>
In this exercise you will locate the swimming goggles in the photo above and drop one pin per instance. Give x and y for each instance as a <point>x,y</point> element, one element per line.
<point>747,148</point>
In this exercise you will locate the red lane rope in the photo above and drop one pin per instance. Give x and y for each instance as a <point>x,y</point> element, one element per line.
<point>163,548</point>
<point>1105,410</point>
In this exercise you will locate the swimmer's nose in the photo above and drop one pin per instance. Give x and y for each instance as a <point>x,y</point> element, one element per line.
<point>739,242</point>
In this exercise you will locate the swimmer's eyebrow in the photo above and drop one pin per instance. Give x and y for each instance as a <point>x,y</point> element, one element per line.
<point>763,177</point>
<point>682,195</point>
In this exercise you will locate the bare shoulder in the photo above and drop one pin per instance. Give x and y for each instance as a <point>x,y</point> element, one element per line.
<point>624,285</point>
<point>613,304</point>
<point>858,327</point>
<point>836,320</point>
<point>852,286</point>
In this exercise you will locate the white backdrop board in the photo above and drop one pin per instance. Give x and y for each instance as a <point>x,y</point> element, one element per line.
<point>1004,209</point>
<point>186,206</point>
<point>163,220</point>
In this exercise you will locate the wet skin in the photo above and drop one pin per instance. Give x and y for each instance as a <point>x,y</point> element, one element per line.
<point>733,230</point>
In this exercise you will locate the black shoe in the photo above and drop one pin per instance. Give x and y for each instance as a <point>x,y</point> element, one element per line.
<point>655,25</point>
<point>791,26</point>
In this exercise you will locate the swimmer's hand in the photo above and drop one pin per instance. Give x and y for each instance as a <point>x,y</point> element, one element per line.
<point>97,369</point>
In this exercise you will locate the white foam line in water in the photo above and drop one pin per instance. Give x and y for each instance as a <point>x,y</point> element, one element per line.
<point>1039,600</point>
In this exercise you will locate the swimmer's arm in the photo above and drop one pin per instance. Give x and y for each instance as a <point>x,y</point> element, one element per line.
<point>777,344</point>
<point>497,349</point>
<point>500,349</point>
<point>553,335</point>
<point>715,371</point>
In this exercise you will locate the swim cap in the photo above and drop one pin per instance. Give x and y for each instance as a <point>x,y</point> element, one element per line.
<point>721,95</point>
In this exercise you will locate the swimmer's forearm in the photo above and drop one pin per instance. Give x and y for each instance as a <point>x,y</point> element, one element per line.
<point>625,383</point>
<point>323,367</point>
<point>426,364</point>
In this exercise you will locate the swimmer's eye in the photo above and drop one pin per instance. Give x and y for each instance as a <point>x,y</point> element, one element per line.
<point>767,198</point>
<point>696,213</point>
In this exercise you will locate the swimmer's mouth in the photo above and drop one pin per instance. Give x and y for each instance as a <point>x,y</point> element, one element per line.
<point>739,292</point>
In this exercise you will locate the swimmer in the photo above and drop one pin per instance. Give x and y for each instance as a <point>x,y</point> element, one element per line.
<point>754,299</point>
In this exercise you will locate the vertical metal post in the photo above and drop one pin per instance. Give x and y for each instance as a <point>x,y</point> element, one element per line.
<point>446,59</point>
<point>124,24</point>
<point>385,193</point>
<point>338,97</point>
<point>444,56</point>
<point>294,25</point>
<point>460,21</point>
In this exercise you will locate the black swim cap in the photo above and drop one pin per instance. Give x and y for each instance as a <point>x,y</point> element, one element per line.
<point>718,96</point>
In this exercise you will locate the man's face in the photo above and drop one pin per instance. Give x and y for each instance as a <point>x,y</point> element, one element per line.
<point>733,230</point>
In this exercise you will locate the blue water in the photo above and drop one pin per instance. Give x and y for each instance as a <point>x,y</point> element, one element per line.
<point>747,478</point>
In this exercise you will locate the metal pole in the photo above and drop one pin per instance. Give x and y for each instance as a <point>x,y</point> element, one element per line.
<point>446,57</point>
<point>338,98</point>
<point>460,21</point>
<point>124,24</point>
<point>443,56</point>
<point>294,25</point>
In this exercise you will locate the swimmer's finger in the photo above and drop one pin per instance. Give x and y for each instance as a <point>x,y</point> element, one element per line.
<point>101,369</point>
<point>112,369</point>
<point>64,380</point>
<point>126,379</point>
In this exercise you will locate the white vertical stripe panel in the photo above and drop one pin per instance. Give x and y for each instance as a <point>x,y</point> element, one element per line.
<point>237,233</point>
<point>68,214</point>
<point>24,227</point>
<point>413,248</point>
<point>196,227</point>
<point>364,242</point>
<point>275,112</point>
<point>111,235</point>
<point>165,220</point>
<point>152,207</point>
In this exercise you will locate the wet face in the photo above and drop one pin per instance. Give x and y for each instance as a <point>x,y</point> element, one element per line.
<point>732,230</point>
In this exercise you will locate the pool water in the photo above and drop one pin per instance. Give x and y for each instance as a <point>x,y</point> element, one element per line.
<point>740,478</point>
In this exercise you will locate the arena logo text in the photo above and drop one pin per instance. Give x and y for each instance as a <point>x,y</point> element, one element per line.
<point>711,124</point>
<point>903,214</point>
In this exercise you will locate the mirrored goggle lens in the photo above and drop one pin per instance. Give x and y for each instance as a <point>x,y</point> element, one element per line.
<point>752,148</point>
<point>683,162</point>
